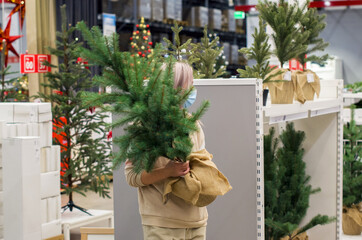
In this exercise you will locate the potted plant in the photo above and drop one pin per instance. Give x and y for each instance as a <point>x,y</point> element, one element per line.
<point>352,178</point>
<point>260,52</point>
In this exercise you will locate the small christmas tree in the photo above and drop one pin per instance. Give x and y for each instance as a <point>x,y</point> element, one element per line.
<point>221,59</point>
<point>85,160</point>
<point>8,92</point>
<point>283,18</point>
<point>178,50</point>
<point>260,51</point>
<point>287,193</point>
<point>204,55</point>
<point>153,121</point>
<point>141,42</point>
<point>352,163</point>
<point>313,24</point>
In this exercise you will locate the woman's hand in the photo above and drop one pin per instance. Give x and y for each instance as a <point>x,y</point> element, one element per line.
<point>177,169</point>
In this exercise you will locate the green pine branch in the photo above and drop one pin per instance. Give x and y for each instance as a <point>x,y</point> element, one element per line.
<point>177,50</point>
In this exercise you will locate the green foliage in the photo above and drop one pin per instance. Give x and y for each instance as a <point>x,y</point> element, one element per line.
<point>154,123</point>
<point>355,87</point>
<point>283,18</point>
<point>178,50</point>
<point>287,187</point>
<point>314,24</point>
<point>204,56</point>
<point>352,163</point>
<point>260,51</point>
<point>7,90</point>
<point>85,160</point>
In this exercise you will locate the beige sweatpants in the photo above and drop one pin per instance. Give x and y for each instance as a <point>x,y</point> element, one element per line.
<point>159,233</point>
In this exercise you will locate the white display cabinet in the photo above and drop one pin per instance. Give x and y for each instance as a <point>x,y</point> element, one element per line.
<point>234,127</point>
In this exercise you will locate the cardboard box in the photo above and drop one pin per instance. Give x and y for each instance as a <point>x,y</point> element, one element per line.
<point>49,184</point>
<point>229,20</point>
<point>199,16</point>
<point>178,10</point>
<point>215,17</point>
<point>22,194</point>
<point>51,229</point>
<point>157,10</point>
<point>30,112</point>
<point>169,9</point>
<point>7,112</point>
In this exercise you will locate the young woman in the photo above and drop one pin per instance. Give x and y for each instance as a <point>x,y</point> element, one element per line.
<point>174,219</point>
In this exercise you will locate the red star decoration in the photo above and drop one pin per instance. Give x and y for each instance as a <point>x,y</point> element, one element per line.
<point>4,37</point>
<point>20,7</point>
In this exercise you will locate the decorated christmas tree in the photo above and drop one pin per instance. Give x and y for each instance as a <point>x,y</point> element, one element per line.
<point>283,18</point>
<point>178,50</point>
<point>352,164</point>
<point>204,55</point>
<point>313,24</point>
<point>141,42</point>
<point>85,160</point>
<point>151,116</point>
<point>287,188</point>
<point>260,51</point>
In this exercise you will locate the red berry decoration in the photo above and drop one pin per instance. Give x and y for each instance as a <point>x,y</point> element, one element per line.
<point>143,55</point>
<point>139,53</point>
<point>150,43</point>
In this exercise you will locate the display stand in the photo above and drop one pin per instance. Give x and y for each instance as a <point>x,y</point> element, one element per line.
<point>77,219</point>
<point>234,127</point>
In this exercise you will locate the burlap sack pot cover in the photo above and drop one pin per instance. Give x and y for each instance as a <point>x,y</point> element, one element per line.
<point>304,89</point>
<point>201,185</point>
<point>281,92</point>
<point>300,236</point>
<point>352,221</point>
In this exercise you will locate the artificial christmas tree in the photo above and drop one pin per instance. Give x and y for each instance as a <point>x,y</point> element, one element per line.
<point>204,56</point>
<point>85,160</point>
<point>153,121</point>
<point>287,188</point>
<point>141,42</point>
<point>352,177</point>
<point>220,61</point>
<point>178,50</point>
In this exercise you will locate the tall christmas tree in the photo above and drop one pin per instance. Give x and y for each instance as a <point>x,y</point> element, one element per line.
<point>141,42</point>
<point>204,55</point>
<point>260,51</point>
<point>313,24</point>
<point>283,18</point>
<point>85,160</point>
<point>287,186</point>
<point>178,50</point>
<point>153,121</point>
<point>352,164</point>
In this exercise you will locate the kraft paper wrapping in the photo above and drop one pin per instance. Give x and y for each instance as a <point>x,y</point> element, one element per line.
<point>352,221</point>
<point>300,236</point>
<point>308,88</point>
<point>281,92</point>
<point>201,185</point>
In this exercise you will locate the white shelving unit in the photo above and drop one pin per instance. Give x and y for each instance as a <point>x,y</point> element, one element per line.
<point>234,127</point>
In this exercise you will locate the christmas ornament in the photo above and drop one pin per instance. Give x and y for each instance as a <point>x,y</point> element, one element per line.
<point>4,37</point>
<point>20,7</point>
<point>143,47</point>
<point>150,43</point>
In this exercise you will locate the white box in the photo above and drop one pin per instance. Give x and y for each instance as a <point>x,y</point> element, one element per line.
<point>30,112</point>
<point>45,134</point>
<point>52,209</point>
<point>2,203</point>
<point>55,158</point>
<point>33,129</point>
<point>1,180</point>
<point>21,177</point>
<point>51,229</point>
<point>10,130</point>
<point>3,131</point>
<point>45,117</point>
<point>50,184</point>
<point>44,211</point>
<point>1,155</point>
<point>45,159</point>
<point>7,112</point>
<point>21,130</point>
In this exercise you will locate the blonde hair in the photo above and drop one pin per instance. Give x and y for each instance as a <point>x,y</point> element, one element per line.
<point>183,75</point>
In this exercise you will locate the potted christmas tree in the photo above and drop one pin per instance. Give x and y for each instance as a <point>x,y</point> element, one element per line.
<point>260,52</point>
<point>352,178</point>
<point>289,42</point>
<point>307,81</point>
<point>85,160</point>
<point>287,188</point>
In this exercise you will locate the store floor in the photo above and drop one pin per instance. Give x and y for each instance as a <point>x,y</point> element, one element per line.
<point>90,201</point>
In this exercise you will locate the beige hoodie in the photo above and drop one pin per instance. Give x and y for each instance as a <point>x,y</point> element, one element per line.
<point>175,213</point>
